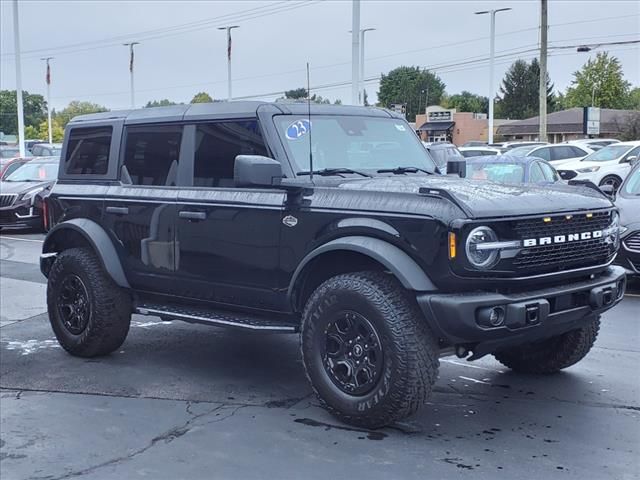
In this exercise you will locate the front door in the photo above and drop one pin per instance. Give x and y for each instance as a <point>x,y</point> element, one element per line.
<point>228,237</point>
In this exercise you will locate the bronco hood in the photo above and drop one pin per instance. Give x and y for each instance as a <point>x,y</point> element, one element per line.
<point>481,199</point>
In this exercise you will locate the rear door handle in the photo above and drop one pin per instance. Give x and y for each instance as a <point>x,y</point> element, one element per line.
<point>118,210</point>
<point>192,215</point>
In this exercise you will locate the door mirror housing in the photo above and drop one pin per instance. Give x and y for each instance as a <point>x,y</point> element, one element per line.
<point>633,159</point>
<point>256,171</point>
<point>608,190</point>
<point>457,167</point>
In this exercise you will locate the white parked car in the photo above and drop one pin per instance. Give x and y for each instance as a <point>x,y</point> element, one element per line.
<point>608,166</point>
<point>478,151</point>
<point>593,143</point>
<point>555,154</point>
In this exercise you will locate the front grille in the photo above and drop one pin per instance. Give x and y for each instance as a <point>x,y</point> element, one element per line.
<point>7,217</point>
<point>7,199</point>
<point>566,255</point>
<point>632,242</point>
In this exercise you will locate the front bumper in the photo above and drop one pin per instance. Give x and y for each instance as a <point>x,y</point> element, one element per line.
<point>20,216</point>
<point>627,257</point>
<point>463,318</point>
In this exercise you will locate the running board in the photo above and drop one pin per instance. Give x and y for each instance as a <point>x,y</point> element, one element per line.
<point>217,318</point>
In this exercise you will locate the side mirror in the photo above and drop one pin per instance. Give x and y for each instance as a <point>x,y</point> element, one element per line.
<point>256,171</point>
<point>457,167</point>
<point>608,190</point>
<point>632,159</point>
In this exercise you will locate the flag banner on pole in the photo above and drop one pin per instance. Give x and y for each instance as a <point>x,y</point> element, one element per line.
<point>229,46</point>
<point>48,78</point>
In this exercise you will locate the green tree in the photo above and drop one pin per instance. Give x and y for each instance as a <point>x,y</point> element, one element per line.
<point>57,131</point>
<point>34,107</point>
<point>406,85</point>
<point>76,108</point>
<point>633,99</point>
<point>31,132</point>
<point>466,102</point>
<point>160,103</point>
<point>201,97</point>
<point>520,91</point>
<point>600,82</point>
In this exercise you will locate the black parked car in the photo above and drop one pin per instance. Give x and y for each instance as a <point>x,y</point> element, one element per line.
<point>23,191</point>
<point>332,223</point>
<point>628,201</point>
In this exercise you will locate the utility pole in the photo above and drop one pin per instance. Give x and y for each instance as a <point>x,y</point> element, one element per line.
<point>228,29</point>
<point>362,32</point>
<point>355,51</point>
<point>492,13</point>
<point>131,45</point>
<point>543,70</point>
<point>48,80</point>
<point>16,46</point>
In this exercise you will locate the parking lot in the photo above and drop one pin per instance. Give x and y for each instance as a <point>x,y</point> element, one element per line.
<point>188,401</point>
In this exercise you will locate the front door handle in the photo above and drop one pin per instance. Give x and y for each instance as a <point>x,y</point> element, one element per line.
<point>118,210</point>
<point>192,215</point>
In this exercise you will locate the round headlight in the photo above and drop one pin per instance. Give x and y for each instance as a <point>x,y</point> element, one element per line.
<point>477,256</point>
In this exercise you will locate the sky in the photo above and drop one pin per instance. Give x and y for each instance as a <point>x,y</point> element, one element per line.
<point>182,52</point>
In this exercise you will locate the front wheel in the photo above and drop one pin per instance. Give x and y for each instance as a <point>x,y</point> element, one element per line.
<point>89,313</point>
<point>612,180</point>
<point>553,354</point>
<point>367,351</point>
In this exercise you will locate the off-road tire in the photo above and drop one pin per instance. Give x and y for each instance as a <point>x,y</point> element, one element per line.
<point>553,354</point>
<point>110,305</point>
<point>410,365</point>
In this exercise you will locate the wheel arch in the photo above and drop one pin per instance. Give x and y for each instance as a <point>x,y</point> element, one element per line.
<point>82,232</point>
<point>354,253</point>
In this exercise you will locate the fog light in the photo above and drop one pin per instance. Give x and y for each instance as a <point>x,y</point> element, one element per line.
<point>491,317</point>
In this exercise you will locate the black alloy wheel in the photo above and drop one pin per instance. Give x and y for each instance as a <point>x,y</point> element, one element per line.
<point>73,304</point>
<point>352,354</point>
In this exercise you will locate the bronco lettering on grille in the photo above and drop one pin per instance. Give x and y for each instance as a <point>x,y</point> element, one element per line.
<point>572,237</point>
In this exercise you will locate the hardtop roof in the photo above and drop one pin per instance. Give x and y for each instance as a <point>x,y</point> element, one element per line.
<point>224,110</point>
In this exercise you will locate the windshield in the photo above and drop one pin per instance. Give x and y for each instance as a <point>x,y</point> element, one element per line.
<point>9,152</point>
<point>34,172</point>
<point>610,152</point>
<point>632,186</point>
<point>521,151</point>
<point>497,172</point>
<point>358,143</point>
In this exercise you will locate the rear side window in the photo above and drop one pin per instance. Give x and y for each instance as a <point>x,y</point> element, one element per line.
<point>218,144</point>
<point>542,153</point>
<point>562,152</point>
<point>535,174</point>
<point>151,155</point>
<point>88,151</point>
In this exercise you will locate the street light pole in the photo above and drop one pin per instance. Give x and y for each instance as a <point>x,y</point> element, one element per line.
<point>355,53</point>
<point>491,62</point>
<point>543,71</point>
<point>48,80</point>
<point>131,45</point>
<point>16,46</point>
<point>228,29</point>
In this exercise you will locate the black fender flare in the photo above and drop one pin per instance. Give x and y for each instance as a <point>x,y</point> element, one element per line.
<point>99,240</point>
<point>398,262</point>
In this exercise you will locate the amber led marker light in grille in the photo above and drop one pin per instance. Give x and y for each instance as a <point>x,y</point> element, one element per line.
<point>452,245</point>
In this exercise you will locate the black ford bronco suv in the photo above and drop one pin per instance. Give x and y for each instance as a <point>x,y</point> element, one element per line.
<point>333,222</point>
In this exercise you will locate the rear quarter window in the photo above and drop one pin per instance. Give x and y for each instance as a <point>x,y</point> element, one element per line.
<point>88,151</point>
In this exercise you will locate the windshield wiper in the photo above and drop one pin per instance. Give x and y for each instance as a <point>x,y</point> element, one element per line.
<point>333,171</point>
<point>401,170</point>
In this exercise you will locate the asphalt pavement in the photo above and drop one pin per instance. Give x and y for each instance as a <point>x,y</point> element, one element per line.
<point>181,401</point>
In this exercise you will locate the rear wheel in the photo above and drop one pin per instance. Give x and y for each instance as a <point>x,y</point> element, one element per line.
<point>553,354</point>
<point>89,313</point>
<point>367,352</point>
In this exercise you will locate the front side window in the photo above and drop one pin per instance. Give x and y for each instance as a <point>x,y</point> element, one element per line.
<point>632,185</point>
<point>549,173</point>
<point>88,151</point>
<point>357,143</point>
<point>535,174</point>
<point>151,155</point>
<point>542,153</point>
<point>216,147</point>
<point>608,153</point>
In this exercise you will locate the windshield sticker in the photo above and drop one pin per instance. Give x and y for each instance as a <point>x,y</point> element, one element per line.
<point>298,129</point>
<point>400,127</point>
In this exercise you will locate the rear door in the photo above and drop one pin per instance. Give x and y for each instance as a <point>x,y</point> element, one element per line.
<point>140,208</point>
<point>228,237</point>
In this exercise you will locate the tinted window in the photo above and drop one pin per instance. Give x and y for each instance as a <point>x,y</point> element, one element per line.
<point>87,151</point>
<point>535,174</point>
<point>542,153</point>
<point>578,152</point>
<point>151,155</point>
<point>218,144</point>
<point>562,152</point>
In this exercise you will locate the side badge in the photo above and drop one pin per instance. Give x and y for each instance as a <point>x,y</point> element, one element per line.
<point>290,221</point>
